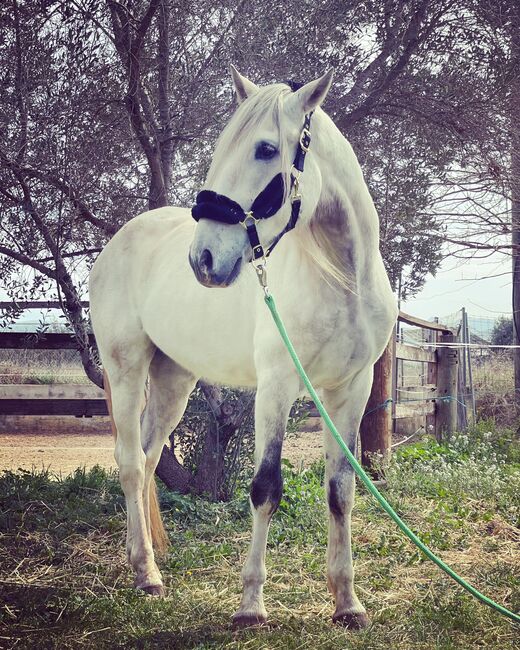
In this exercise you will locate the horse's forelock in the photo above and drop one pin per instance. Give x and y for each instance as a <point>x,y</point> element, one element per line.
<point>243,125</point>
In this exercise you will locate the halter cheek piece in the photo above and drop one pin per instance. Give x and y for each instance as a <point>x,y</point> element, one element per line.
<point>217,207</point>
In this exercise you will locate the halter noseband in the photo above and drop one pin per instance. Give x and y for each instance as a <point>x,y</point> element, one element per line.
<point>218,207</point>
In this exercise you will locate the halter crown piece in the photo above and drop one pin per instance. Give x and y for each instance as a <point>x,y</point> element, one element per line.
<point>218,207</point>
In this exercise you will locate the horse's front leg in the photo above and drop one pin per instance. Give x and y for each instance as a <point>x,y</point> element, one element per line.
<point>274,398</point>
<point>346,407</point>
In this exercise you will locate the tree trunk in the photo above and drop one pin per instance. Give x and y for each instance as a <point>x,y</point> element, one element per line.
<point>376,425</point>
<point>172,473</point>
<point>210,476</point>
<point>515,190</point>
<point>211,468</point>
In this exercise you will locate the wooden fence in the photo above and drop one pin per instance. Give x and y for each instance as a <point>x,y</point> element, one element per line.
<point>41,408</point>
<point>414,387</point>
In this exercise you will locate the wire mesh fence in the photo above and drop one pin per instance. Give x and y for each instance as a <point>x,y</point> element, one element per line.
<point>486,371</point>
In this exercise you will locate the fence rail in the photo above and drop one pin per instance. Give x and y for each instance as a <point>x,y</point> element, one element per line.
<point>80,400</point>
<point>413,387</point>
<point>40,341</point>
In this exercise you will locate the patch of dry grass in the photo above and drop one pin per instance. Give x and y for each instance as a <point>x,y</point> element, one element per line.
<point>66,584</point>
<point>493,379</point>
<point>41,367</point>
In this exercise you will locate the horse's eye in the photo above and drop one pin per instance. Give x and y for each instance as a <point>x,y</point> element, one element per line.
<point>265,151</point>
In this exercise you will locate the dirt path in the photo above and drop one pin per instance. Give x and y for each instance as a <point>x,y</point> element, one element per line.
<point>64,453</point>
<point>58,453</point>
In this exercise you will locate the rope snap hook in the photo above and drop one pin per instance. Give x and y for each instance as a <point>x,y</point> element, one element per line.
<point>260,267</point>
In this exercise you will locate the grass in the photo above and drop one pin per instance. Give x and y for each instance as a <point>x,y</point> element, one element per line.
<point>32,366</point>
<point>66,584</point>
<point>494,385</point>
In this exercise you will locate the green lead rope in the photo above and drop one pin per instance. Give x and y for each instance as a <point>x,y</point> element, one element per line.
<point>269,300</point>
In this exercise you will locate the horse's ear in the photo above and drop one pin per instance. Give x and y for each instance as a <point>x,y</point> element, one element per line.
<point>309,97</point>
<point>243,87</point>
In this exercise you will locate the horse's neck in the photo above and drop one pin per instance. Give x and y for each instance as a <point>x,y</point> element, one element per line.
<point>345,216</point>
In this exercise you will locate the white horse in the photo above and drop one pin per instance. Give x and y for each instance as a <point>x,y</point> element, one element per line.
<point>155,314</point>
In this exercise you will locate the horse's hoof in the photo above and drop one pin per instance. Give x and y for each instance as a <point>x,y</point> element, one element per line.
<point>248,620</point>
<point>154,590</point>
<point>352,621</point>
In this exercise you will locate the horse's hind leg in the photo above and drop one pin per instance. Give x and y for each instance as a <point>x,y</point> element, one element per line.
<point>346,407</point>
<point>127,368</point>
<point>170,387</point>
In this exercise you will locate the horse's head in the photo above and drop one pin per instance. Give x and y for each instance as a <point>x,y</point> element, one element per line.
<point>251,165</point>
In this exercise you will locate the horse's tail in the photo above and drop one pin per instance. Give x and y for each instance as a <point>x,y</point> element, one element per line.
<point>159,535</point>
<point>160,539</point>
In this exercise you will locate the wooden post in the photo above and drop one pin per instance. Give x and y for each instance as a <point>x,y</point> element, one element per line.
<point>376,426</point>
<point>447,372</point>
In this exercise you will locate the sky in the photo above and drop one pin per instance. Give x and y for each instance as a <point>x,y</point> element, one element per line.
<point>463,283</point>
<point>458,283</point>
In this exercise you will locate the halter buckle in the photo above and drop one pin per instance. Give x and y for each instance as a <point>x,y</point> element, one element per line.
<point>305,139</point>
<point>260,267</point>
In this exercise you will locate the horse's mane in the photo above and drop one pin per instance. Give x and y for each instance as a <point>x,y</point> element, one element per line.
<point>243,125</point>
<point>329,249</point>
<point>318,242</point>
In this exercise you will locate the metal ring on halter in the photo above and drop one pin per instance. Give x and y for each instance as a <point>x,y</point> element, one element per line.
<point>249,215</point>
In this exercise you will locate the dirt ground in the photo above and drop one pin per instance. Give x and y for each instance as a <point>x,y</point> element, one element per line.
<point>62,453</point>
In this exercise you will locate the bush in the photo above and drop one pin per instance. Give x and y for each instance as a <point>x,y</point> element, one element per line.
<point>502,333</point>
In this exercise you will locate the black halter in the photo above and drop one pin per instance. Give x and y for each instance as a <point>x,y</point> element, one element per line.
<point>218,207</point>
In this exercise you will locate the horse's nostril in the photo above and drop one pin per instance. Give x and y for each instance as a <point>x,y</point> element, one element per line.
<point>206,261</point>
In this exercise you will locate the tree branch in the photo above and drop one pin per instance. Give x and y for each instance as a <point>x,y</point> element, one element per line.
<point>19,87</point>
<point>72,306</point>
<point>28,261</point>
<point>82,209</point>
<point>410,40</point>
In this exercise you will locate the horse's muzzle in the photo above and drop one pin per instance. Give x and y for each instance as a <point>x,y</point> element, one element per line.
<point>208,276</point>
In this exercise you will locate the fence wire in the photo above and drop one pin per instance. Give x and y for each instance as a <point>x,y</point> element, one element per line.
<point>486,372</point>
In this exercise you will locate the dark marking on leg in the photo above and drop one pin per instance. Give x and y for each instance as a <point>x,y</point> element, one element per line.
<point>335,501</point>
<point>340,486</point>
<point>267,485</point>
